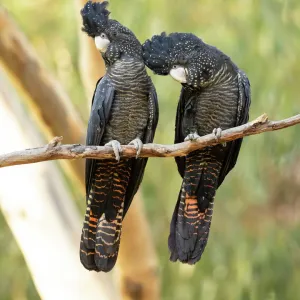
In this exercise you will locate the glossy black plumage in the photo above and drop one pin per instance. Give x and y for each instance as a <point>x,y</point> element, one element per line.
<point>124,108</point>
<point>215,94</point>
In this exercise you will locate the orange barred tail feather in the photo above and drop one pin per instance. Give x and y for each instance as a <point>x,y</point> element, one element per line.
<point>192,216</point>
<point>108,242</point>
<point>101,233</point>
<point>99,194</point>
<point>90,224</point>
<point>87,257</point>
<point>88,237</point>
<point>103,256</point>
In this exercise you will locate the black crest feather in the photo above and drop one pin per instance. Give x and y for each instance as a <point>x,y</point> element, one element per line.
<point>156,54</point>
<point>162,51</point>
<point>94,17</point>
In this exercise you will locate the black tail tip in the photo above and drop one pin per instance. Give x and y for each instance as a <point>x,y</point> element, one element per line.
<point>88,262</point>
<point>173,256</point>
<point>184,258</point>
<point>93,262</point>
<point>185,251</point>
<point>105,264</point>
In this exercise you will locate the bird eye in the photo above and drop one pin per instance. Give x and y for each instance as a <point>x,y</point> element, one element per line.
<point>103,36</point>
<point>175,67</point>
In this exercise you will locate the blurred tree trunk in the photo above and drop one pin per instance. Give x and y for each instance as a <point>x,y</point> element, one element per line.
<point>40,212</point>
<point>137,262</point>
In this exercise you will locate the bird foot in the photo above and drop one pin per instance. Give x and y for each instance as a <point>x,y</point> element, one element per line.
<point>116,147</point>
<point>138,146</point>
<point>192,137</point>
<point>217,133</point>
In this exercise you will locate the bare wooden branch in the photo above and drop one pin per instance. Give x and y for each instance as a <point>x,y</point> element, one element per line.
<point>259,125</point>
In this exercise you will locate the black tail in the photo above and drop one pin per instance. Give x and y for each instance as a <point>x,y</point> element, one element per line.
<point>104,254</point>
<point>101,233</point>
<point>191,219</point>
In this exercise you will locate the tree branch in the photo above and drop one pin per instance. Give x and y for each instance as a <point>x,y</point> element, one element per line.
<point>50,152</point>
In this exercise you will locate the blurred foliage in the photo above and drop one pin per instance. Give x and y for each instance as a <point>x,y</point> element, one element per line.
<point>15,281</point>
<point>253,250</point>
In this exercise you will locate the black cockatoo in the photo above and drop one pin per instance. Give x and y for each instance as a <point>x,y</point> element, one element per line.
<point>124,110</point>
<point>215,95</point>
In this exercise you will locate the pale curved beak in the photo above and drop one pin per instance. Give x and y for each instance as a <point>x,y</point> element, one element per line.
<point>179,74</point>
<point>101,44</point>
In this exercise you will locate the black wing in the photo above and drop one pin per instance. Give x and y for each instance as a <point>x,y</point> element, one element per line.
<point>242,118</point>
<point>100,112</point>
<point>138,165</point>
<point>179,134</point>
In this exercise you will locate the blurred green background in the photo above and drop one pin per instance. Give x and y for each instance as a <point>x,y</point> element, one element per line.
<point>254,246</point>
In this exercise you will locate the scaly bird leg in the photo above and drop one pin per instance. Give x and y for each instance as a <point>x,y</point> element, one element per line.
<point>116,147</point>
<point>192,137</point>
<point>138,146</point>
<point>218,132</point>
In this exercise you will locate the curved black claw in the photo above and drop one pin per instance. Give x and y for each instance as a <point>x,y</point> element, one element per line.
<point>116,147</point>
<point>138,146</point>
<point>192,137</point>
